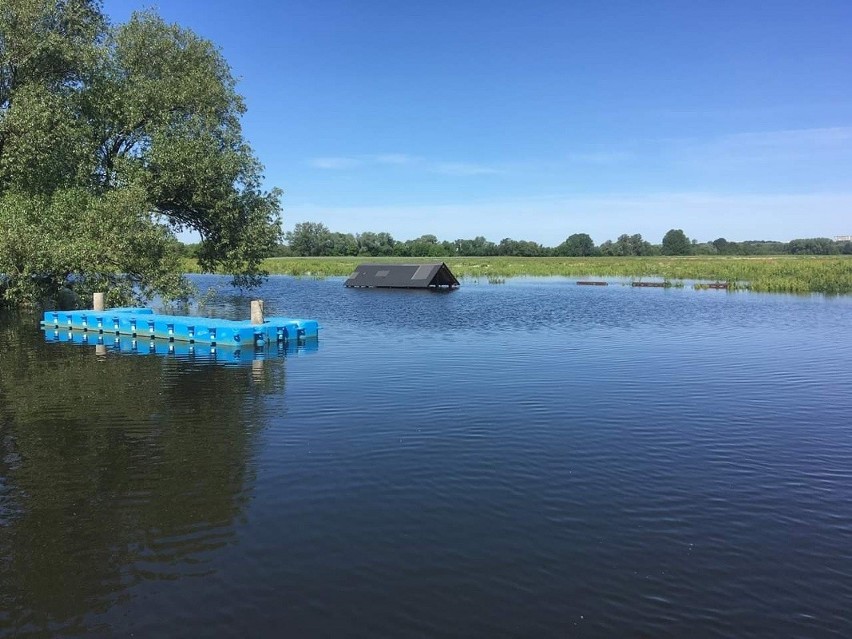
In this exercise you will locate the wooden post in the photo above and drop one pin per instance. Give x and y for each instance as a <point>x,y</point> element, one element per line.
<point>257,311</point>
<point>97,301</point>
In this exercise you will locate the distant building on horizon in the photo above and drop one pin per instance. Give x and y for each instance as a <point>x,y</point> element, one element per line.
<point>843,238</point>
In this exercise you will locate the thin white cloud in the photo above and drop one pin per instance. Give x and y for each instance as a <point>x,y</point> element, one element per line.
<point>760,157</point>
<point>335,163</point>
<point>344,162</point>
<point>338,163</point>
<point>394,158</point>
<point>777,145</point>
<point>800,140</point>
<point>464,169</point>
<point>773,110</point>
<point>785,149</point>
<point>600,157</point>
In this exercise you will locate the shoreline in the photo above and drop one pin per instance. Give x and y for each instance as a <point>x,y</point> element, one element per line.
<point>767,274</point>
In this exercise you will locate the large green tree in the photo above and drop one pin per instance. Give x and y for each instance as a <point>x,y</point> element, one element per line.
<point>375,244</point>
<point>675,242</point>
<point>577,245</point>
<point>478,246</point>
<point>113,139</point>
<point>310,239</point>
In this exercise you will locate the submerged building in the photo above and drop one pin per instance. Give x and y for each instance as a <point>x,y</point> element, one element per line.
<point>430,275</point>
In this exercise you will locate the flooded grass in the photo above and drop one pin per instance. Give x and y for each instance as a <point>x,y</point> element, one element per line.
<point>780,274</point>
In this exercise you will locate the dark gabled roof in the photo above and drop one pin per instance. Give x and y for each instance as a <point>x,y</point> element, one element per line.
<point>429,275</point>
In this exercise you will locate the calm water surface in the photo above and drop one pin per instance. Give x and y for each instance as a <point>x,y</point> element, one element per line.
<point>534,459</point>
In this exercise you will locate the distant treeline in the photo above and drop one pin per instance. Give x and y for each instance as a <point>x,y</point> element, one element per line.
<point>314,239</point>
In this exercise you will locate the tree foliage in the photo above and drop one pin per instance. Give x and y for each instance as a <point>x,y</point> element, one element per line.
<point>111,140</point>
<point>521,248</point>
<point>313,239</point>
<point>675,242</point>
<point>375,244</point>
<point>814,246</point>
<point>577,245</point>
<point>477,246</point>
<point>628,245</point>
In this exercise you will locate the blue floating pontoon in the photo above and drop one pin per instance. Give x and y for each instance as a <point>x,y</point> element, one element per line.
<point>143,322</point>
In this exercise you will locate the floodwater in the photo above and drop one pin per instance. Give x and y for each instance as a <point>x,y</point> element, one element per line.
<point>531,459</point>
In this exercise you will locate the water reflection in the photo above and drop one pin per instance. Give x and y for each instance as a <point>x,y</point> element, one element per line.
<point>116,470</point>
<point>199,353</point>
<point>550,458</point>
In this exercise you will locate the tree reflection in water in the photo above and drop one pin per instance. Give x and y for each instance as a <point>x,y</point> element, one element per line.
<point>116,469</point>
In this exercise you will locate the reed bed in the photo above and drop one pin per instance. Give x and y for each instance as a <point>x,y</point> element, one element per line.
<point>782,274</point>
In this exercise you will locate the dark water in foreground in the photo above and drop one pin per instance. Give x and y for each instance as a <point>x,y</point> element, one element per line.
<point>535,459</point>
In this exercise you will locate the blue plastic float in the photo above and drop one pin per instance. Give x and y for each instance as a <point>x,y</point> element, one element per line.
<point>143,322</point>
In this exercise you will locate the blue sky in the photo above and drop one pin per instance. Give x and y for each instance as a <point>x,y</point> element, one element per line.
<point>538,119</point>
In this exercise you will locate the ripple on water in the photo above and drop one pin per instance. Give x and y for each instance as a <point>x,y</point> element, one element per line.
<point>532,459</point>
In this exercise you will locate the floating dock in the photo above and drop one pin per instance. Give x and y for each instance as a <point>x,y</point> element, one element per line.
<point>143,322</point>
